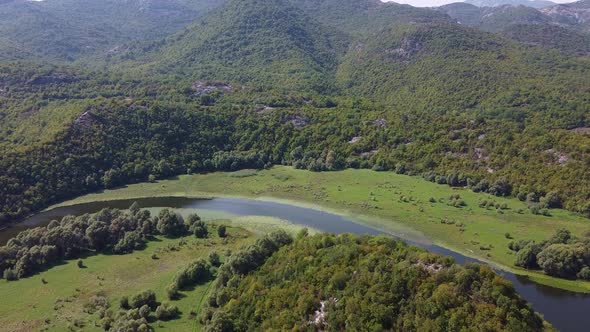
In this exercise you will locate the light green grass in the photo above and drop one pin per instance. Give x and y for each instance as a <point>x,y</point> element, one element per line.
<point>374,198</point>
<point>27,303</point>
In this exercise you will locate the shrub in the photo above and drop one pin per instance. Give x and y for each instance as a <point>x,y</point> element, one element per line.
<point>221,231</point>
<point>124,302</point>
<point>214,258</point>
<point>147,297</point>
<point>166,311</point>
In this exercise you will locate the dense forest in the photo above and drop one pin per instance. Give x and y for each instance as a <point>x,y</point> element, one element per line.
<point>317,85</point>
<point>346,282</point>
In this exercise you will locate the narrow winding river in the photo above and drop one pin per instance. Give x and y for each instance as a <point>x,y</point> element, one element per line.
<point>567,311</point>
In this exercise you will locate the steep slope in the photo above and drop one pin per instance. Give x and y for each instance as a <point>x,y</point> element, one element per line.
<point>69,29</point>
<point>575,15</point>
<point>434,66</point>
<point>251,41</point>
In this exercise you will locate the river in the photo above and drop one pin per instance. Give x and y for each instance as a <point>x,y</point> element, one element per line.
<point>567,311</point>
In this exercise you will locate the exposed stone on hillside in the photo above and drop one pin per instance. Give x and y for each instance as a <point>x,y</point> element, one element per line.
<point>205,88</point>
<point>355,139</point>
<point>379,123</point>
<point>408,47</point>
<point>85,120</point>
<point>298,121</point>
<point>582,130</point>
<point>559,158</point>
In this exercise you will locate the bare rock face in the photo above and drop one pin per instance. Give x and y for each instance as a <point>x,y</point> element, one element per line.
<point>298,121</point>
<point>204,87</point>
<point>577,14</point>
<point>409,46</point>
<point>86,119</point>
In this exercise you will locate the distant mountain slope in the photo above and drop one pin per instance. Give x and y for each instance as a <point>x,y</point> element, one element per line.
<point>497,3</point>
<point>551,36</point>
<point>494,18</point>
<point>359,16</point>
<point>448,66</point>
<point>561,27</point>
<point>270,42</point>
<point>68,29</point>
<point>576,14</point>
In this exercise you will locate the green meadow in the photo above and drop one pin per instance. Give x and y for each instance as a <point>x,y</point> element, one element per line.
<point>56,299</point>
<point>417,209</point>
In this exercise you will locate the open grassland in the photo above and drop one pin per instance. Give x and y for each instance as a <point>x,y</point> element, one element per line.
<point>55,299</point>
<point>387,201</point>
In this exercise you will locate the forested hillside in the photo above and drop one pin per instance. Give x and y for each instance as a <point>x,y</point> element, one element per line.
<point>320,85</point>
<point>335,283</point>
<point>66,30</point>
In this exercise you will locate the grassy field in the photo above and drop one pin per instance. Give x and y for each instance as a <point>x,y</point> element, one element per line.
<point>58,304</point>
<point>389,201</point>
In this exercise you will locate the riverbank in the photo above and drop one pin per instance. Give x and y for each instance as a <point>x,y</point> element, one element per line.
<point>409,206</point>
<point>60,298</point>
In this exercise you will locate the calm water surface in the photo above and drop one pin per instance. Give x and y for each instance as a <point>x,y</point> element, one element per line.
<point>567,311</point>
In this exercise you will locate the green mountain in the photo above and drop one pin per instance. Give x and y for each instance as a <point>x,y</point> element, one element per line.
<point>360,16</point>
<point>297,84</point>
<point>252,41</point>
<point>70,29</point>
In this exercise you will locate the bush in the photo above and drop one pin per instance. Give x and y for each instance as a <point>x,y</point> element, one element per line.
<point>10,275</point>
<point>147,297</point>
<point>214,258</point>
<point>166,311</point>
<point>221,231</point>
<point>170,224</point>
<point>124,303</point>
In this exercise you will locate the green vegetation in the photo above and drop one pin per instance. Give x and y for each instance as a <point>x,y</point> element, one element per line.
<point>318,85</point>
<point>374,198</point>
<point>563,255</point>
<point>357,283</point>
<point>65,296</point>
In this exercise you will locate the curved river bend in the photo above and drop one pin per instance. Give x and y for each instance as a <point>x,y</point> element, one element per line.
<point>567,311</point>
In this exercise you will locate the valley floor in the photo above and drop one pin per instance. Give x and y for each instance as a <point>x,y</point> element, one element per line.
<point>420,210</point>
<point>57,299</point>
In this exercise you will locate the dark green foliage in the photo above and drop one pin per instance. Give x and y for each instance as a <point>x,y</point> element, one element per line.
<point>239,264</point>
<point>195,273</point>
<point>147,297</point>
<point>221,231</point>
<point>563,255</point>
<point>170,223</point>
<point>197,226</point>
<point>109,230</point>
<point>362,283</point>
<point>214,259</point>
<point>167,311</point>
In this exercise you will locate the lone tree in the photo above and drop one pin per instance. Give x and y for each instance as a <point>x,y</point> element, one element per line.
<point>221,231</point>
